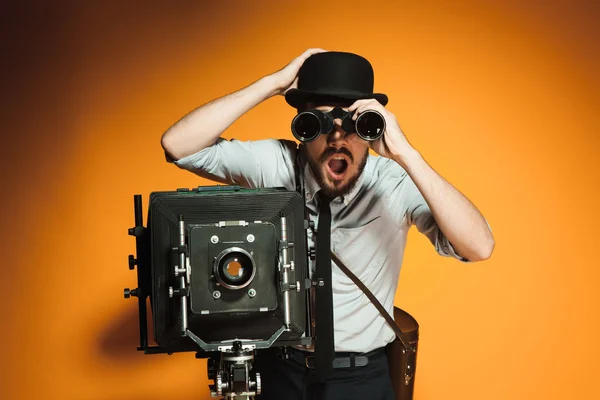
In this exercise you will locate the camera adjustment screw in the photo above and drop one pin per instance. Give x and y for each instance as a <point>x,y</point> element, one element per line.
<point>132,262</point>
<point>251,292</point>
<point>250,238</point>
<point>216,294</point>
<point>292,265</point>
<point>312,253</point>
<point>214,239</point>
<point>170,291</point>
<point>258,383</point>
<point>219,383</point>
<point>179,271</point>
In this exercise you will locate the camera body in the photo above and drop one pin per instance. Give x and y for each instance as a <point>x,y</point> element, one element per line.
<point>226,264</point>
<point>226,271</point>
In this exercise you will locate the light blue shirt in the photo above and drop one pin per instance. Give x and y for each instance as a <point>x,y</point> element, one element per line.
<point>369,226</point>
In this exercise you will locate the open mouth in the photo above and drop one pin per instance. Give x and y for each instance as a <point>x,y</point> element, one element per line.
<point>337,166</point>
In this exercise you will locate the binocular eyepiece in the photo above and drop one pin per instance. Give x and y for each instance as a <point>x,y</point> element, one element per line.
<point>308,125</point>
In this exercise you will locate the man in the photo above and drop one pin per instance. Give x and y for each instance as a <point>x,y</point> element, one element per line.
<point>373,202</point>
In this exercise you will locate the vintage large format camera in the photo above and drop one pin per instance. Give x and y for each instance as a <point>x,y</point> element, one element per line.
<point>225,269</point>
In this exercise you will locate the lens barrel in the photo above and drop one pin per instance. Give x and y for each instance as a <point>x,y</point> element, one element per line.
<point>370,125</point>
<point>234,268</point>
<point>306,126</point>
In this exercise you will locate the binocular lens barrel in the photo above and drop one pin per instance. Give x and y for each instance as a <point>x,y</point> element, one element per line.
<point>308,125</point>
<point>370,125</point>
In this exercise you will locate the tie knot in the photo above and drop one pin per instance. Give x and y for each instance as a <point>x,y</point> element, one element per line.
<point>324,200</point>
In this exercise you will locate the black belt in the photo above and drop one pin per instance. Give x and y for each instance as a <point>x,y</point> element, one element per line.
<point>342,360</point>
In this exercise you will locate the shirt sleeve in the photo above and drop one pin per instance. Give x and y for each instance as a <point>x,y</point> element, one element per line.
<point>408,201</point>
<point>252,164</point>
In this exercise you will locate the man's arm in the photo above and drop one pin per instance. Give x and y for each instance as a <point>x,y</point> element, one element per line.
<point>457,218</point>
<point>203,126</point>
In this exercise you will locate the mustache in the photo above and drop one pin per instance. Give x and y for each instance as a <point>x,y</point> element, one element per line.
<point>332,151</point>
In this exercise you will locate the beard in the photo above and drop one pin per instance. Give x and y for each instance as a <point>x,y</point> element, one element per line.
<point>336,188</point>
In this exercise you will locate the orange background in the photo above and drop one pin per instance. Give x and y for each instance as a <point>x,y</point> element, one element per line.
<point>501,98</point>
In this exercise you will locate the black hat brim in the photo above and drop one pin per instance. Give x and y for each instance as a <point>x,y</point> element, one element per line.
<point>298,97</point>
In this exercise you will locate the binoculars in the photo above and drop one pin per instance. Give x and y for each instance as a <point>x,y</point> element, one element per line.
<point>308,125</point>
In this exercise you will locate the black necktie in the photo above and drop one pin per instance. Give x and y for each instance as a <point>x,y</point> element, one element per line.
<point>324,346</point>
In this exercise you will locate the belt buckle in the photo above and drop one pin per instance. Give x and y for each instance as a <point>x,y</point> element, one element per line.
<point>306,361</point>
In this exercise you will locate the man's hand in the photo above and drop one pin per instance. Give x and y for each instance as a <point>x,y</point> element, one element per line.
<point>393,143</point>
<point>287,77</point>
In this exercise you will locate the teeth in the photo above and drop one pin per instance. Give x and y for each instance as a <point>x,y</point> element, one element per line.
<point>338,158</point>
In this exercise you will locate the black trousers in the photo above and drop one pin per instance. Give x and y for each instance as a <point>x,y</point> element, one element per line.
<point>291,379</point>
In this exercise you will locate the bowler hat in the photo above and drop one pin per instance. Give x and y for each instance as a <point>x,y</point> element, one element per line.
<point>334,77</point>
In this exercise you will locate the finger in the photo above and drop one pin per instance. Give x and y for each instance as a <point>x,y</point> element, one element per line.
<point>362,108</point>
<point>298,61</point>
<point>370,105</point>
<point>367,105</point>
<point>374,105</point>
<point>357,104</point>
<point>357,110</point>
<point>310,52</point>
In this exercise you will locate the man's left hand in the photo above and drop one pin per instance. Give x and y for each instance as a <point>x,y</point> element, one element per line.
<point>393,143</point>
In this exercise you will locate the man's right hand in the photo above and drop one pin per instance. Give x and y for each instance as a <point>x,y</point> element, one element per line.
<point>287,77</point>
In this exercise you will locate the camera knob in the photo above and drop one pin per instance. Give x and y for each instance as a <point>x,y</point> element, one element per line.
<point>132,262</point>
<point>212,369</point>
<point>312,253</point>
<point>309,224</point>
<point>127,293</point>
<point>258,384</point>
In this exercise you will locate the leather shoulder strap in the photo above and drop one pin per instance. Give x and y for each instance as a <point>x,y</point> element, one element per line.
<point>401,336</point>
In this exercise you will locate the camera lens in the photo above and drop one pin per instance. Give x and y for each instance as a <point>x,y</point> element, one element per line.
<point>306,126</point>
<point>370,125</point>
<point>234,268</point>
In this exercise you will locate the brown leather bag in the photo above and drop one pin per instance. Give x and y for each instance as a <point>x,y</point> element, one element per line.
<point>402,352</point>
<point>402,360</point>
